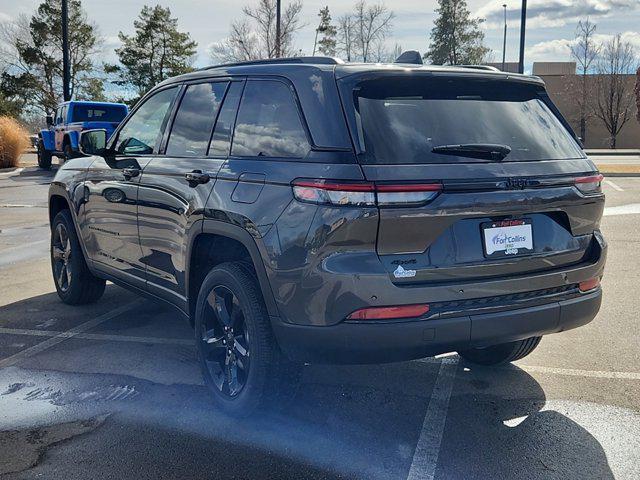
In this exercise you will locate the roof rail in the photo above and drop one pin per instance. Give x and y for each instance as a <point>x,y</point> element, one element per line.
<point>275,61</point>
<point>480,67</point>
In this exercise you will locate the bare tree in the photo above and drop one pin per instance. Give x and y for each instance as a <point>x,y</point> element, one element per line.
<point>372,25</point>
<point>585,52</point>
<point>614,97</point>
<point>254,36</point>
<point>361,34</point>
<point>347,36</point>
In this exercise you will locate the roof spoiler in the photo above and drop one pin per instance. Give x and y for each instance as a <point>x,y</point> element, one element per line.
<point>410,56</point>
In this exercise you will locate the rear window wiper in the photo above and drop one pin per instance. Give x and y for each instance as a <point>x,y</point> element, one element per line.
<point>486,151</point>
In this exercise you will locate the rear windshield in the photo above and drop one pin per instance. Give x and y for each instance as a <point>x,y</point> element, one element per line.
<point>401,120</point>
<point>98,113</point>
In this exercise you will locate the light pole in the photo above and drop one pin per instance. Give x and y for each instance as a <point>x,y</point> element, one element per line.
<point>278,46</point>
<point>66,73</point>
<point>523,25</point>
<point>504,41</point>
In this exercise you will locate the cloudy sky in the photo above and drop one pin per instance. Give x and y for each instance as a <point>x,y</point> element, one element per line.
<point>551,23</point>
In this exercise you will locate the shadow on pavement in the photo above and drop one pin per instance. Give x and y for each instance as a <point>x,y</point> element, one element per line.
<point>343,422</point>
<point>497,427</point>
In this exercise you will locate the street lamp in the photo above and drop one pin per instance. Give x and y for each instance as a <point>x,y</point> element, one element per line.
<point>66,73</point>
<point>523,24</point>
<point>278,46</point>
<point>504,41</point>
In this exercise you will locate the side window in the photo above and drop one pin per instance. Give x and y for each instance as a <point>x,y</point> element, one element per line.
<point>268,123</point>
<point>60,115</point>
<point>143,131</point>
<point>221,141</point>
<point>194,121</point>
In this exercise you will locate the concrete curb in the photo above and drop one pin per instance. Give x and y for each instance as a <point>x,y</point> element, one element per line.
<point>613,153</point>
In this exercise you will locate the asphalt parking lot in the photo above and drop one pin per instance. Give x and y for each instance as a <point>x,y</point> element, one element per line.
<point>112,390</point>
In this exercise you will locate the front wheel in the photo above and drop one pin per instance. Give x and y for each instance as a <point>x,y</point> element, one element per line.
<point>238,355</point>
<point>74,282</point>
<point>502,353</point>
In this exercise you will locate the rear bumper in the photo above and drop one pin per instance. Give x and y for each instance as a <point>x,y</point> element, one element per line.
<point>380,342</point>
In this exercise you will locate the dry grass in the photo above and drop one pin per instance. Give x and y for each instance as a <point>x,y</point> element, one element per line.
<point>620,169</point>
<point>14,140</point>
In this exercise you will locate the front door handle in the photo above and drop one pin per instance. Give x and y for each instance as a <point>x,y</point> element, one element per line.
<point>129,173</point>
<point>196,178</point>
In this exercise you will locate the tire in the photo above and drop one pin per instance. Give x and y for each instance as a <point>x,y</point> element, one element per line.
<point>74,282</point>
<point>502,353</point>
<point>230,310</point>
<point>44,156</point>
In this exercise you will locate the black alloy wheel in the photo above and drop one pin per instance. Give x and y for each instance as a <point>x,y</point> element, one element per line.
<point>61,253</point>
<point>225,341</point>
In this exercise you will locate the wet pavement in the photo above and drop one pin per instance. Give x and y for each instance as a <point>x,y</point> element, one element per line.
<point>112,390</point>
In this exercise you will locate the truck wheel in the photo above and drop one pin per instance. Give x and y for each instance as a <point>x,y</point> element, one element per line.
<point>502,353</point>
<point>44,156</point>
<point>74,282</point>
<point>240,360</point>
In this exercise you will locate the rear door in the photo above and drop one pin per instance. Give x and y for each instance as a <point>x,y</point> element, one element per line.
<point>476,177</point>
<point>175,185</point>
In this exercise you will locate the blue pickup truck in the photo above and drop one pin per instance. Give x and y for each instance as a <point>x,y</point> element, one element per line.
<point>60,138</point>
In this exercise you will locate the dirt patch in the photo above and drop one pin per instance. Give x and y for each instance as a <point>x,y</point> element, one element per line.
<point>618,169</point>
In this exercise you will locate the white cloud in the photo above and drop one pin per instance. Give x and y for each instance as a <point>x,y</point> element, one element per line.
<point>554,13</point>
<point>559,50</point>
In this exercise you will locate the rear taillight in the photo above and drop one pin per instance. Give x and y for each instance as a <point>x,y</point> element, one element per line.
<point>388,313</point>
<point>364,193</point>
<point>334,193</point>
<point>590,284</point>
<point>590,185</point>
<point>408,194</point>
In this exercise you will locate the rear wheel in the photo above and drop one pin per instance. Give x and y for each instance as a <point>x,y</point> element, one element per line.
<point>74,282</point>
<point>44,156</point>
<point>502,353</point>
<point>238,355</point>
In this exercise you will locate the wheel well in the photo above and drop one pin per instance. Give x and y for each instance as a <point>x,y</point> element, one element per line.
<point>208,251</point>
<point>56,205</point>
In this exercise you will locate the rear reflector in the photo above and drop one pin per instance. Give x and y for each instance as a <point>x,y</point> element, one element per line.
<point>387,313</point>
<point>364,193</point>
<point>590,284</point>
<point>590,184</point>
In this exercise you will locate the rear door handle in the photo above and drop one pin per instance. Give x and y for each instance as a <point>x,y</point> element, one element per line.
<point>196,178</point>
<point>129,173</point>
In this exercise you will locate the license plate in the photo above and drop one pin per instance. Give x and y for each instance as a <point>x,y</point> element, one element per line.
<point>507,237</point>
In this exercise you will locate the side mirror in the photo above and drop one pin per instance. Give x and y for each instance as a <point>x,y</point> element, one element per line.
<point>49,120</point>
<point>93,142</point>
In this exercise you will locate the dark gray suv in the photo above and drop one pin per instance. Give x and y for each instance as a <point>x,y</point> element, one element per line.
<point>306,210</point>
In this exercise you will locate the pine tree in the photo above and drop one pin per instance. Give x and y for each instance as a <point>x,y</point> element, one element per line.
<point>155,52</point>
<point>327,42</point>
<point>35,55</point>
<point>456,38</point>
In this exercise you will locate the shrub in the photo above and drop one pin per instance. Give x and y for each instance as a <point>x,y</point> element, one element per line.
<point>14,140</point>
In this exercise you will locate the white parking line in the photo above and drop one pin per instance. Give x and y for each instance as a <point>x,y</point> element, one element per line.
<point>95,336</point>
<point>631,209</point>
<point>83,327</point>
<point>614,186</point>
<point>571,372</point>
<point>425,456</point>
